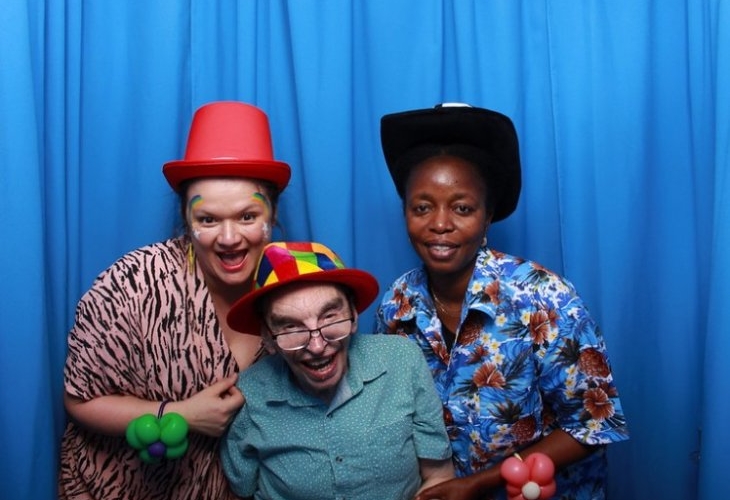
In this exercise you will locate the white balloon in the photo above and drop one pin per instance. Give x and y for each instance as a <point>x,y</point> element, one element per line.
<point>531,491</point>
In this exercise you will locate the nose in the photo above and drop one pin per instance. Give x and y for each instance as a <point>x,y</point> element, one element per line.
<point>229,233</point>
<point>316,343</point>
<point>441,221</point>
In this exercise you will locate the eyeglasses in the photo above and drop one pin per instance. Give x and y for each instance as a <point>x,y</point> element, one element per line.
<point>299,339</point>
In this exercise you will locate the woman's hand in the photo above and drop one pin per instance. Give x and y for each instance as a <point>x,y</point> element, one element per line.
<point>211,410</point>
<point>463,488</point>
<point>208,412</point>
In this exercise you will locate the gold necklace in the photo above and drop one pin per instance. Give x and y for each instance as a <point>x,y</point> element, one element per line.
<point>441,307</point>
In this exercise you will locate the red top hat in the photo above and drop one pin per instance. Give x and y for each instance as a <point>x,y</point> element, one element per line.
<point>228,139</point>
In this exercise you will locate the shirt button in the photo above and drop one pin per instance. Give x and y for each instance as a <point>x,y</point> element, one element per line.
<point>338,460</point>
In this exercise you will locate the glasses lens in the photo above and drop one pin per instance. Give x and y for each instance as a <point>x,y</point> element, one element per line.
<point>299,339</point>
<point>336,331</point>
<point>293,340</point>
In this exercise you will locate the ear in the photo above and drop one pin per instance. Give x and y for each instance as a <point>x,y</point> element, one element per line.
<point>269,343</point>
<point>487,224</point>
<point>354,318</point>
<point>270,349</point>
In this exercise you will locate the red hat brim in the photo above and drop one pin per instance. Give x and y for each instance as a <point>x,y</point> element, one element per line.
<point>274,171</point>
<point>243,316</point>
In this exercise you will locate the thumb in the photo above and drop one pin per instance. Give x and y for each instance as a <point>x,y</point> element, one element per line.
<point>225,384</point>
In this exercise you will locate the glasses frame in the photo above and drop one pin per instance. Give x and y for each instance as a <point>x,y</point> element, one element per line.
<point>311,333</point>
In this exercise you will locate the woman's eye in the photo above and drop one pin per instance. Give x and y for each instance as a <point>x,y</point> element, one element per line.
<point>206,221</point>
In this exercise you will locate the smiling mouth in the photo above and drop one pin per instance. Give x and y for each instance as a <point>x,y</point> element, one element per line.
<point>319,364</point>
<point>440,247</point>
<point>440,251</point>
<point>232,261</point>
<point>320,369</point>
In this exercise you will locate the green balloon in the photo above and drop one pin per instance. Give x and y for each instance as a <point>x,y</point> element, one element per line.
<point>174,429</point>
<point>147,429</point>
<point>173,452</point>
<point>132,438</point>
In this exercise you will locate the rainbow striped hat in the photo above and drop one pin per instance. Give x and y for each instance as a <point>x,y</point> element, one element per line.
<point>282,263</point>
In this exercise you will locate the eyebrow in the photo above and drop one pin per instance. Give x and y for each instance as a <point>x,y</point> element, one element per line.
<point>335,303</point>
<point>194,202</point>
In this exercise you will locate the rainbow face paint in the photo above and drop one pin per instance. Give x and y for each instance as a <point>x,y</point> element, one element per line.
<point>253,220</point>
<point>194,202</point>
<point>262,199</point>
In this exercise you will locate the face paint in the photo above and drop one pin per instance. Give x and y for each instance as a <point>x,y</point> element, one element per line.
<point>262,199</point>
<point>195,202</point>
<point>203,226</point>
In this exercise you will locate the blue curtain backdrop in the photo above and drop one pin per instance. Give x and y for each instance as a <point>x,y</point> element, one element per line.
<point>624,120</point>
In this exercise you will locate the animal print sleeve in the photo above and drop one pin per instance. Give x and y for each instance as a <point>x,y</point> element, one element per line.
<point>104,354</point>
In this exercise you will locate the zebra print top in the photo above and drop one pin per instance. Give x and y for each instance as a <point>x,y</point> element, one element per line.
<point>148,328</point>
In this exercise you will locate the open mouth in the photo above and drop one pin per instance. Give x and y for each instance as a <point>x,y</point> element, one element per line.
<point>232,261</point>
<point>321,368</point>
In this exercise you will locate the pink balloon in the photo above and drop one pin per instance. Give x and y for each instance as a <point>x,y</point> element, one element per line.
<point>513,491</point>
<point>537,467</point>
<point>515,471</point>
<point>547,491</point>
<point>542,469</point>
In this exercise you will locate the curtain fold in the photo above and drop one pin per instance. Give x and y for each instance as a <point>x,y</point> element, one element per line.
<point>624,128</point>
<point>715,433</point>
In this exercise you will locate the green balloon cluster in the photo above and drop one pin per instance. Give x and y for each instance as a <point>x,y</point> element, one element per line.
<point>158,438</point>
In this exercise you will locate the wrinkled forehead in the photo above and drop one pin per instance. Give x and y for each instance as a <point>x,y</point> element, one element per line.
<point>304,299</point>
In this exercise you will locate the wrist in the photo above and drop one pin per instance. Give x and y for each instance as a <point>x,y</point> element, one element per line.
<point>180,408</point>
<point>485,482</point>
<point>161,409</point>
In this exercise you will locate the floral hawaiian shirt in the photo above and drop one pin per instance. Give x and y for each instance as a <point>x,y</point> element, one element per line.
<point>528,358</point>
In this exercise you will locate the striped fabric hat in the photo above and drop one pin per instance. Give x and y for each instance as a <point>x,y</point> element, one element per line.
<point>282,263</point>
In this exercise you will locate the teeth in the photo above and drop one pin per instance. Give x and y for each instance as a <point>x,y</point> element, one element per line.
<point>231,258</point>
<point>317,365</point>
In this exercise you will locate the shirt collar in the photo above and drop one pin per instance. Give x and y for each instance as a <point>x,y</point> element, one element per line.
<point>484,274</point>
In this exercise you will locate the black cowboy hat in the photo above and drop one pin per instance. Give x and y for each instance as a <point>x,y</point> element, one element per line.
<point>488,131</point>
